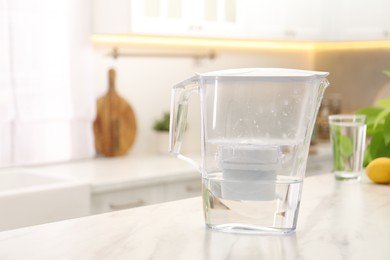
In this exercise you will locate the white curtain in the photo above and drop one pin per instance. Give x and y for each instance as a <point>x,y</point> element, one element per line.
<point>7,112</point>
<point>47,70</point>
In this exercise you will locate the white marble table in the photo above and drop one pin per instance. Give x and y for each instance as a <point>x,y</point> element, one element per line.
<point>338,220</point>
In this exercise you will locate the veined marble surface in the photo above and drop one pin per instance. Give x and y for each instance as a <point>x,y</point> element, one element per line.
<point>337,220</point>
<point>107,174</point>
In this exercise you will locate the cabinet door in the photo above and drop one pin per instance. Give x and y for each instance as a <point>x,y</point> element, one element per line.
<point>111,16</point>
<point>364,20</point>
<point>211,18</point>
<point>307,20</point>
<point>126,199</point>
<point>145,195</point>
<point>158,17</point>
<point>183,189</point>
<point>266,19</point>
<point>216,18</point>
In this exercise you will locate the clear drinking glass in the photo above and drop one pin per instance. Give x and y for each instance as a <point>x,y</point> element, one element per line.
<point>256,126</point>
<point>347,135</point>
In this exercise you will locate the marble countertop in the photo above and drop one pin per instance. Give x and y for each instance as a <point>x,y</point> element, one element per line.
<point>107,174</point>
<point>337,220</point>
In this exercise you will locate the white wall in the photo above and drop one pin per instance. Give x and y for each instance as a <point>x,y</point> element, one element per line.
<point>146,83</point>
<point>46,70</point>
<point>356,75</point>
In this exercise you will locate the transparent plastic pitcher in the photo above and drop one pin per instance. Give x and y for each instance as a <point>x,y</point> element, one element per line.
<point>255,136</point>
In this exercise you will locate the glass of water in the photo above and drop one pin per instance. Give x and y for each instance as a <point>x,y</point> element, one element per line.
<point>347,135</point>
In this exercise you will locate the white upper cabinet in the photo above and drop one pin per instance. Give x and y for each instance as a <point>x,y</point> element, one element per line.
<point>318,20</point>
<point>285,19</point>
<point>364,20</point>
<point>313,20</point>
<point>265,19</point>
<point>111,16</point>
<point>216,18</point>
<point>306,20</point>
<point>158,17</point>
<point>209,18</point>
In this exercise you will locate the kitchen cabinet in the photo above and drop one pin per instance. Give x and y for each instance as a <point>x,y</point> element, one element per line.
<point>307,20</point>
<point>333,20</point>
<point>173,186</point>
<point>286,19</point>
<point>312,20</point>
<point>124,199</point>
<point>183,189</point>
<point>266,19</point>
<point>363,20</point>
<point>145,195</point>
<point>319,20</point>
<point>112,17</point>
<point>213,18</point>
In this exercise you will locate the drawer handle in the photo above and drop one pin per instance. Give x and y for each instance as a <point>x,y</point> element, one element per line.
<point>128,205</point>
<point>193,188</point>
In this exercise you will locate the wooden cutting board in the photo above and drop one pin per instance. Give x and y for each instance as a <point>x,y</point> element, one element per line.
<point>115,124</point>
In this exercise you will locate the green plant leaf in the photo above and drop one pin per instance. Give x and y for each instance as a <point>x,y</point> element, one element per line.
<point>346,146</point>
<point>371,113</point>
<point>342,148</point>
<point>163,123</point>
<point>375,143</point>
<point>338,163</point>
<point>383,103</point>
<point>370,130</point>
<point>386,130</point>
<point>367,156</point>
<point>378,147</point>
<point>381,116</point>
<point>386,72</point>
<point>379,128</point>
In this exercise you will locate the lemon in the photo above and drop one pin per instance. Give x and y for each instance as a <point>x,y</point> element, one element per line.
<point>378,170</point>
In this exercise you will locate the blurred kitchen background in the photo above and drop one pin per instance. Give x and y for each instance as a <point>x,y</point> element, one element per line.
<point>55,55</point>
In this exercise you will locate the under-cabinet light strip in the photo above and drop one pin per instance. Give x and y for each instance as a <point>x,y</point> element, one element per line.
<point>356,45</point>
<point>230,44</point>
<point>184,42</point>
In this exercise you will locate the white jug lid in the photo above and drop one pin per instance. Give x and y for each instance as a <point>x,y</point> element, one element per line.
<point>263,72</point>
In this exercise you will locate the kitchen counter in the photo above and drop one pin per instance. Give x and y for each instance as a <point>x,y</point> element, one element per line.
<point>115,173</point>
<point>337,220</point>
<point>108,184</point>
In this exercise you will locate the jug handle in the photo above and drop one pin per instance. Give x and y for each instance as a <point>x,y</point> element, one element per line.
<point>178,117</point>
